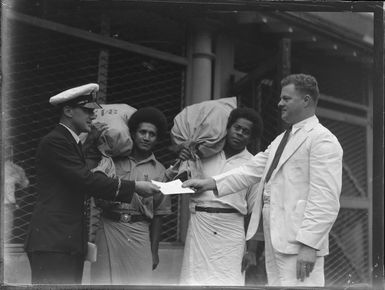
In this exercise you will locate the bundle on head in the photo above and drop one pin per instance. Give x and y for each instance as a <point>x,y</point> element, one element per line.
<point>202,129</point>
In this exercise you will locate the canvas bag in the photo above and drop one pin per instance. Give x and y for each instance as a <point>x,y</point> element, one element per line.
<point>202,129</point>
<point>114,141</point>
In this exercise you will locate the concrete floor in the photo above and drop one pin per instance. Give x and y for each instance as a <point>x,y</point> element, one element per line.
<point>17,270</point>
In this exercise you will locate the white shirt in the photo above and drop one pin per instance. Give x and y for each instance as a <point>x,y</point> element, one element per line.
<point>302,124</point>
<point>76,137</point>
<point>296,127</point>
<point>243,200</point>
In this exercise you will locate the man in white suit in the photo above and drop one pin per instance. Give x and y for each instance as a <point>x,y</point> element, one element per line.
<point>300,175</point>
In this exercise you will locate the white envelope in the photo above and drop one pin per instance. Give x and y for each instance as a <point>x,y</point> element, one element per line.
<point>172,187</point>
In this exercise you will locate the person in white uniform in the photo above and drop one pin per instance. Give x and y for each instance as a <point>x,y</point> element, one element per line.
<point>300,177</point>
<point>215,242</point>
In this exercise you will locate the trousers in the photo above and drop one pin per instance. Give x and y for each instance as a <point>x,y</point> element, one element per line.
<point>281,268</point>
<point>55,268</point>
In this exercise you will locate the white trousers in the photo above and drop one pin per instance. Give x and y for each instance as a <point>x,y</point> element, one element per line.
<point>281,268</point>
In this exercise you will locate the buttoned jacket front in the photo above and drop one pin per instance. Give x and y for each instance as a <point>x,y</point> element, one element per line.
<point>304,188</point>
<point>62,183</point>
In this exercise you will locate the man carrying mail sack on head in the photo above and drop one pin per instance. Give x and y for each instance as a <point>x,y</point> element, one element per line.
<point>215,241</point>
<point>129,232</point>
<point>56,241</point>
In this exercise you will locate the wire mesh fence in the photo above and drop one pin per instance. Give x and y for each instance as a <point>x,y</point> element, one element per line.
<point>43,63</point>
<point>348,262</point>
<point>353,139</point>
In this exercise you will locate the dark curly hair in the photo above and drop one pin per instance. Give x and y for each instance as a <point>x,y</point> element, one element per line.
<point>248,114</point>
<point>149,115</point>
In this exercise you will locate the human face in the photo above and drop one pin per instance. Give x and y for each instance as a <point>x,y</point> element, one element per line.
<point>292,104</point>
<point>145,137</point>
<point>239,134</point>
<point>82,119</point>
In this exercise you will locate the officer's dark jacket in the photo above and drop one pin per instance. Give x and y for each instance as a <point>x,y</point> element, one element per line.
<point>63,180</point>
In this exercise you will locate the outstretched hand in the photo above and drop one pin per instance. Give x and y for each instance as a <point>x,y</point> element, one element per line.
<point>146,188</point>
<point>200,185</point>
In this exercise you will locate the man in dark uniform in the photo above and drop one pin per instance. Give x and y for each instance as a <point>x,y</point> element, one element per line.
<point>56,242</point>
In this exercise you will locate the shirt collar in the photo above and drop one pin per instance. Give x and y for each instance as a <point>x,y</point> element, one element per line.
<point>148,159</point>
<point>243,154</point>
<point>76,137</point>
<point>303,123</point>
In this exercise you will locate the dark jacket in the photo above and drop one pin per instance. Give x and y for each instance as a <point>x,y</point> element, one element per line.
<point>58,221</point>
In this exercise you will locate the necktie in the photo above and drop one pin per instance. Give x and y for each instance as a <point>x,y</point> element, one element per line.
<point>278,153</point>
<point>80,146</point>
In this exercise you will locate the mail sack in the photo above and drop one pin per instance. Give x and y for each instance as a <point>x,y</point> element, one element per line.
<point>202,129</point>
<point>116,140</point>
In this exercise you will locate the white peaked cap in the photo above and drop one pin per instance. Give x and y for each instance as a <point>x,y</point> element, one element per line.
<point>82,96</point>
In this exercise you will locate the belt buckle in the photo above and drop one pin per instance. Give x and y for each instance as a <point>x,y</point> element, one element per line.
<point>125,218</point>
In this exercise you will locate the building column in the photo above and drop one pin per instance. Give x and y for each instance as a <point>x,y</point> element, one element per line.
<point>199,88</point>
<point>201,63</point>
<point>224,65</point>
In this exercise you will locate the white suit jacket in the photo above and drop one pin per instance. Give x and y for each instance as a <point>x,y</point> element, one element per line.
<point>305,188</point>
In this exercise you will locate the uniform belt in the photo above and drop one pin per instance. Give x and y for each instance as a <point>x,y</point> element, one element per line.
<point>124,217</point>
<point>216,209</point>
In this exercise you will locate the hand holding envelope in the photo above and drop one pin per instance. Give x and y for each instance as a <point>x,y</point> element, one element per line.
<point>172,187</point>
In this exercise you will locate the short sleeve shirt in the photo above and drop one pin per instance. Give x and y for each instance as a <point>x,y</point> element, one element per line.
<point>128,168</point>
<point>243,201</point>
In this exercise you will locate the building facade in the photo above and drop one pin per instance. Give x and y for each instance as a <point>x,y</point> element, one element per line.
<point>170,55</point>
